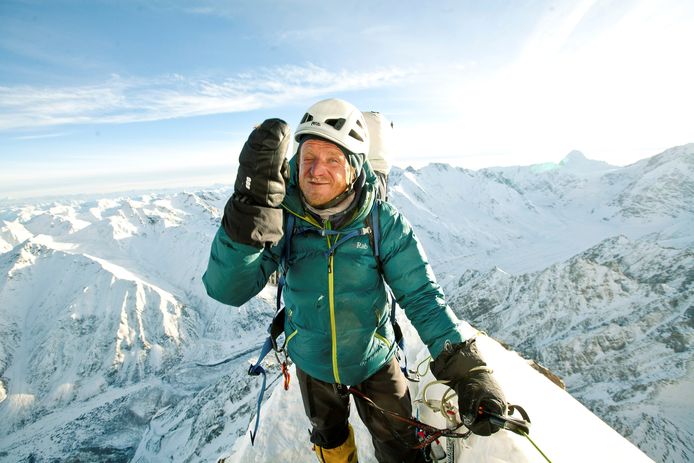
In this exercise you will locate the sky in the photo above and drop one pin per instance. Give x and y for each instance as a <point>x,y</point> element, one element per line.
<point>98,95</point>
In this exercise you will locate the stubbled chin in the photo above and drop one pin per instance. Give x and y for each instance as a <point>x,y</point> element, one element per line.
<point>318,196</point>
<point>315,200</point>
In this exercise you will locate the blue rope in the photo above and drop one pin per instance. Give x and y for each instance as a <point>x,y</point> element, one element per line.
<point>257,370</point>
<point>344,238</point>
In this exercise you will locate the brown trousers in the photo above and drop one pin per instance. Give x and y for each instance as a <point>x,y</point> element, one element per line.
<point>328,411</point>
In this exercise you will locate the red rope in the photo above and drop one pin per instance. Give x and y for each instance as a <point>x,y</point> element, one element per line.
<point>427,432</point>
<point>285,373</point>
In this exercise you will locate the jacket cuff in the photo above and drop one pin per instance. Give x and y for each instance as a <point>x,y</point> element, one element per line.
<point>251,224</point>
<point>457,361</point>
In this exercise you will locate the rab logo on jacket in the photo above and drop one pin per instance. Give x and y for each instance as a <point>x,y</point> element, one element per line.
<point>362,245</point>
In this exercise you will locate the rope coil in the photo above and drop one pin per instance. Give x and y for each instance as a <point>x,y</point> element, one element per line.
<point>449,412</point>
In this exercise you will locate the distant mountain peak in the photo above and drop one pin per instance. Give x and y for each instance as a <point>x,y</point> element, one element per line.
<point>578,162</point>
<point>574,156</point>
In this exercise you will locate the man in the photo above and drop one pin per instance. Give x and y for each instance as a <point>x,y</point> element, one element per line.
<point>337,323</point>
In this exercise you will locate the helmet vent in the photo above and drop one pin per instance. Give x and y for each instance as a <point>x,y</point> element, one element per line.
<point>355,135</point>
<point>307,118</point>
<point>337,124</point>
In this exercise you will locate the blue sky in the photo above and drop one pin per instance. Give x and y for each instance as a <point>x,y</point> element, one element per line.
<point>95,94</point>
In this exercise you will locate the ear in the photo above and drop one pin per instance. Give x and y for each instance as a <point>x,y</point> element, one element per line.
<point>351,174</point>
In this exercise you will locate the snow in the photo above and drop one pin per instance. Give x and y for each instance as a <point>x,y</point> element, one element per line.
<point>563,428</point>
<point>107,337</point>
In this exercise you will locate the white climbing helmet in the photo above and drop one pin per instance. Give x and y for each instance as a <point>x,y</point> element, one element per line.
<point>337,121</point>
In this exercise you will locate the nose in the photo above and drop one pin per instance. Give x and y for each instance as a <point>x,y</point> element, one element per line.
<point>317,167</point>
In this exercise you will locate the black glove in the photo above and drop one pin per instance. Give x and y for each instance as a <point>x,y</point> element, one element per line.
<point>253,214</point>
<point>468,374</point>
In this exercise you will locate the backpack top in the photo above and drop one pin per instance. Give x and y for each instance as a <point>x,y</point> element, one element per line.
<point>380,141</point>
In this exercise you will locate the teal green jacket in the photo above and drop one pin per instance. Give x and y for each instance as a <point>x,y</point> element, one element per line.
<point>337,318</point>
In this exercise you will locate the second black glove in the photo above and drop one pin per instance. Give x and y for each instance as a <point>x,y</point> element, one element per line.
<point>468,374</point>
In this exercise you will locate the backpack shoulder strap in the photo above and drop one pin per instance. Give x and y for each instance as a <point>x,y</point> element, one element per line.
<point>375,235</point>
<point>287,247</point>
<point>277,325</point>
<point>375,238</point>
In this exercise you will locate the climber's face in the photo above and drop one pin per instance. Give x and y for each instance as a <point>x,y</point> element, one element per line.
<point>324,172</point>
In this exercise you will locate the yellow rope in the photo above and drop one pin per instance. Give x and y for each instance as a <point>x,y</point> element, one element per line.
<point>535,445</point>
<point>426,367</point>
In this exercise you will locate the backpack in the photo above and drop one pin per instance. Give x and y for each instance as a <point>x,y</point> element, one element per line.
<point>380,141</point>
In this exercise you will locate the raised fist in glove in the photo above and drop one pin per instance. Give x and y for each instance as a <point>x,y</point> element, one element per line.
<point>468,374</point>
<point>253,214</point>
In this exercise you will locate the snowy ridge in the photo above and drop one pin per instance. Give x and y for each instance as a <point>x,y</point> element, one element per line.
<point>526,218</point>
<point>110,350</point>
<point>563,432</point>
<point>661,185</point>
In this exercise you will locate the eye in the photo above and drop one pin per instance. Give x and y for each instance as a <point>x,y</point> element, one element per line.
<point>335,159</point>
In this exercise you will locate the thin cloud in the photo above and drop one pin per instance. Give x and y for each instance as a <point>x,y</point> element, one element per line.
<point>121,100</point>
<point>42,136</point>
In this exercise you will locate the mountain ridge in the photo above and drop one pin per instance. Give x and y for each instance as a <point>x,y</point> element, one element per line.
<point>516,234</point>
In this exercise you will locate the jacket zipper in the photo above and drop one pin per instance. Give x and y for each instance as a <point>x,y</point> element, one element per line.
<point>331,302</point>
<point>333,329</point>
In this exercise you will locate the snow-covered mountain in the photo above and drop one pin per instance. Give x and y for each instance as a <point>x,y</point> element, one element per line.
<point>104,324</point>
<point>111,351</point>
<point>584,267</point>
<point>525,218</point>
<point>614,322</point>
